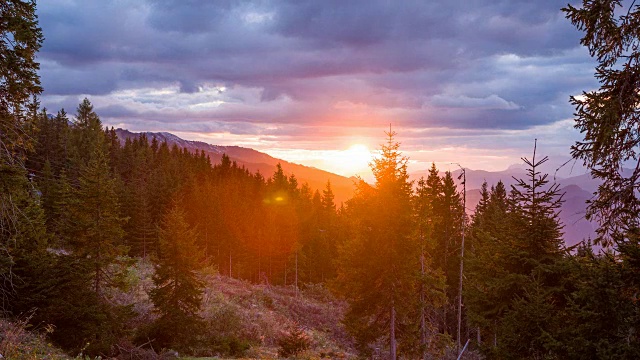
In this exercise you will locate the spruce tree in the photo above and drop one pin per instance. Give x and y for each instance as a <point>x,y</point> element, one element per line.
<point>20,40</point>
<point>96,225</point>
<point>379,263</point>
<point>87,134</point>
<point>448,239</point>
<point>608,117</point>
<point>515,268</point>
<point>178,292</point>
<point>431,280</point>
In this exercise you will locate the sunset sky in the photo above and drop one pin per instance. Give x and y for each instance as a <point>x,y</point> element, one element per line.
<point>318,82</point>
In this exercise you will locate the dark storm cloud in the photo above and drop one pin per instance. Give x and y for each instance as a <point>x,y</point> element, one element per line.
<point>450,63</point>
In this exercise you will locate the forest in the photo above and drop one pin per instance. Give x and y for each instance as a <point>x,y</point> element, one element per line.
<point>82,210</point>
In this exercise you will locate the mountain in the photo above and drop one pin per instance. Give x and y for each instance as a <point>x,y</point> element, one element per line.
<point>343,188</point>
<point>573,210</point>
<point>577,190</point>
<point>475,178</point>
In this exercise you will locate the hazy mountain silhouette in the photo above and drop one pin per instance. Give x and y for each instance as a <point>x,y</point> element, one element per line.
<point>343,187</point>
<point>577,190</point>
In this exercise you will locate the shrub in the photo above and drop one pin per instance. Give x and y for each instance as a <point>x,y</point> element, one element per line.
<point>229,346</point>
<point>294,342</point>
<point>17,343</point>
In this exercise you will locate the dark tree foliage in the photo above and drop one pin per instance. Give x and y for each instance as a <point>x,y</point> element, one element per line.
<point>97,226</point>
<point>379,262</point>
<point>178,291</point>
<point>431,280</point>
<point>20,218</point>
<point>608,117</point>
<point>601,318</point>
<point>516,287</point>
<point>448,240</point>
<point>537,203</point>
<point>20,40</point>
<point>490,235</point>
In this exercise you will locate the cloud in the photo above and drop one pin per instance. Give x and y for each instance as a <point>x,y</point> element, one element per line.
<point>302,67</point>
<point>492,101</point>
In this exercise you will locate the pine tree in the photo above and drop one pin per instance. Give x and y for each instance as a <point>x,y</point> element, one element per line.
<point>448,239</point>
<point>178,291</point>
<point>538,205</point>
<point>491,236</point>
<point>515,269</point>
<point>20,40</point>
<point>608,117</point>
<point>432,283</point>
<point>379,262</point>
<point>87,135</point>
<point>97,226</point>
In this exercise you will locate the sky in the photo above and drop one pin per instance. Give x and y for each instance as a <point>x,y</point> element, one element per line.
<point>472,82</point>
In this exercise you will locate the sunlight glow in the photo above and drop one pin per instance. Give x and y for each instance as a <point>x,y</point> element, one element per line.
<point>353,160</point>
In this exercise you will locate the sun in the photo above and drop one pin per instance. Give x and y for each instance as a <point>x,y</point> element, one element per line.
<point>358,155</point>
<point>355,159</point>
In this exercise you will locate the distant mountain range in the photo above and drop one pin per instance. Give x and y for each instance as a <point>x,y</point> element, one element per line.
<point>343,187</point>
<point>577,189</point>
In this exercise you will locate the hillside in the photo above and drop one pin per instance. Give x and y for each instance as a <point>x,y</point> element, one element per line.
<point>578,188</point>
<point>243,320</point>
<point>247,320</point>
<point>255,161</point>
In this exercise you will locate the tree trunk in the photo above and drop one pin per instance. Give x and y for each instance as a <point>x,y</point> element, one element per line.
<point>392,334</point>
<point>423,323</point>
<point>495,334</point>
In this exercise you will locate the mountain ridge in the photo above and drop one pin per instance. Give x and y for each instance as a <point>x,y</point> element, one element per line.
<point>256,161</point>
<point>578,189</point>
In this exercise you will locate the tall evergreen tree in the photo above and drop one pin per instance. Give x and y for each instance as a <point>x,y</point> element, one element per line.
<point>448,239</point>
<point>515,268</point>
<point>20,40</point>
<point>379,284</point>
<point>432,281</point>
<point>97,226</point>
<point>178,293</point>
<point>608,117</point>
<point>490,235</point>
<point>87,134</point>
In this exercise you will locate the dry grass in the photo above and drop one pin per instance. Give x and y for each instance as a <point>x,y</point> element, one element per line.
<point>17,342</point>
<point>259,315</point>
<point>266,313</point>
<point>236,312</point>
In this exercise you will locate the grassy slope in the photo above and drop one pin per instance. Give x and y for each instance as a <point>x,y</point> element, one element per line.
<point>257,315</point>
<point>267,312</point>
<point>16,342</point>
